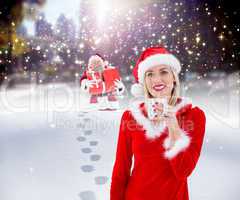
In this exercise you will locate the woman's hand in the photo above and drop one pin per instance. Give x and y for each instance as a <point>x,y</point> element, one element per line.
<point>173,126</point>
<point>170,119</point>
<point>158,109</point>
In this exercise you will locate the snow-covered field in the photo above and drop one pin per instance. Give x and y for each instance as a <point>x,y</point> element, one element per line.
<point>54,147</point>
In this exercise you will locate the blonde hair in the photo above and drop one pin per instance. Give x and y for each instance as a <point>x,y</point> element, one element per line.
<point>175,93</point>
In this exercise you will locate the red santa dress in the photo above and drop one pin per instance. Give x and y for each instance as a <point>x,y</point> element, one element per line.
<point>158,172</point>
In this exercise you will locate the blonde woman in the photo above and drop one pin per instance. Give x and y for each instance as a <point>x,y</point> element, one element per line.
<point>165,147</point>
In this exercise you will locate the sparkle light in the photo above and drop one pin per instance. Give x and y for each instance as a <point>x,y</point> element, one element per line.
<point>221,37</point>
<point>198,39</point>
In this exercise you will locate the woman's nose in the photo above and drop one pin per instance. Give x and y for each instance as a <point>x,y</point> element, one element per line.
<point>156,79</point>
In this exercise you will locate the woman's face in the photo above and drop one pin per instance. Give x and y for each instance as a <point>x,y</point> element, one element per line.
<point>159,81</point>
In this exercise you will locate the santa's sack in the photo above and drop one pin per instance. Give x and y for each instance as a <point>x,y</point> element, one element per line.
<point>96,79</point>
<point>110,75</point>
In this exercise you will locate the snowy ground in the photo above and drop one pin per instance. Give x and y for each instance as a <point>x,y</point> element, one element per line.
<point>52,146</point>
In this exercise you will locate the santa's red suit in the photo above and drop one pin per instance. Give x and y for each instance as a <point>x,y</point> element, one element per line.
<point>159,172</point>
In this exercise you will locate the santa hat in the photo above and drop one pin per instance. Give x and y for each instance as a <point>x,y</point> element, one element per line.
<point>151,57</point>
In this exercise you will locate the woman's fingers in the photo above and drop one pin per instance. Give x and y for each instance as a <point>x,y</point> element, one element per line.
<point>170,119</point>
<point>169,115</point>
<point>158,106</point>
<point>158,109</point>
<point>164,113</point>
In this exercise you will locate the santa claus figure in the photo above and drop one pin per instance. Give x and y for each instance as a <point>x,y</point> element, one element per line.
<point>103,83</point>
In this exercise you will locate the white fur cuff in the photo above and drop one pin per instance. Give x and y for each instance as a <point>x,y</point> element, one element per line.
<point>84,85</point>
<point>180,145</point>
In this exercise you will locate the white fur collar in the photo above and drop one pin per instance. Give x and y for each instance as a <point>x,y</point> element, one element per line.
<point>152,131</point>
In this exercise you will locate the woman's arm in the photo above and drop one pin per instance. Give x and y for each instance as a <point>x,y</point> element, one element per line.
<point>123,162</point>
<point>183,152</point>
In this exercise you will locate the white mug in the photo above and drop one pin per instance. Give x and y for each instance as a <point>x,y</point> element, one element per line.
<point>150,109</point>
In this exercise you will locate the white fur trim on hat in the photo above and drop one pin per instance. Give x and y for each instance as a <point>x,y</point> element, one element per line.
<point>95,58</point>
<point>157,59</point>
<point>137,90</point>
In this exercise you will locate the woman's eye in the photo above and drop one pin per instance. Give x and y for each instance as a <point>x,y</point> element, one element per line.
<point>149,74</point>
<point>164,72</point>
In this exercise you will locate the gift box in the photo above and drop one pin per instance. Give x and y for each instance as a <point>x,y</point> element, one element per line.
<point>110,75</point>
<point>96,79</point>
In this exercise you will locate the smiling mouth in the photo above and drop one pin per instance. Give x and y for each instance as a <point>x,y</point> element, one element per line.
<point>159,87</point>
